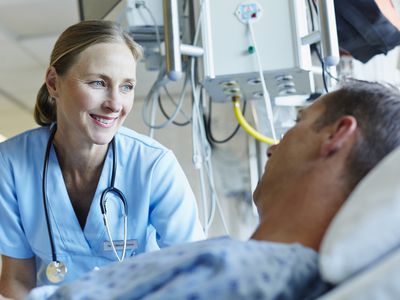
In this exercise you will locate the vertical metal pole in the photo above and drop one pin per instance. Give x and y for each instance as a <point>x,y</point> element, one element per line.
<point>329,39</point>
<point>172,39</point>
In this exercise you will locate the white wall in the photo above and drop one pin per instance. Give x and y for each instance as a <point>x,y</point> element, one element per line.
<point>13,119</point>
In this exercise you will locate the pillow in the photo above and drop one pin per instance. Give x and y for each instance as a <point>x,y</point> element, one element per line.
<point>367,226</point>
<point>372,284</point>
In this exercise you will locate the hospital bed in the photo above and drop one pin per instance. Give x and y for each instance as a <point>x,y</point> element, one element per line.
<point>359,256</point>
<point>360,253</point>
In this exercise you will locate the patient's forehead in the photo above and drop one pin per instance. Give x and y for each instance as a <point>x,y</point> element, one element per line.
<point>315,107</point>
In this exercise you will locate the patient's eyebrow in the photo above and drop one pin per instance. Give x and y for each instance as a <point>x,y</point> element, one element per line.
<point>300,114</point>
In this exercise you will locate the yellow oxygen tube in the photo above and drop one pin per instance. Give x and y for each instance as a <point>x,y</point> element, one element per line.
<point>246,126</point>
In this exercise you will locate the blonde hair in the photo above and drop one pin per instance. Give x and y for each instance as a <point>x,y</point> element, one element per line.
<point>67,48</point>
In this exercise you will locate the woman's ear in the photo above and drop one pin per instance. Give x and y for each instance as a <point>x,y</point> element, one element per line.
<point>51,81</point>
<point>339,133</point>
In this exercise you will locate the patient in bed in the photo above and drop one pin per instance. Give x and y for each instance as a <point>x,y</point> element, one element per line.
<point>336,141</point>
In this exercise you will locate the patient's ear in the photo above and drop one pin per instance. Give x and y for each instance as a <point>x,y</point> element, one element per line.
<point>51,81</point>
<point>338,134</point>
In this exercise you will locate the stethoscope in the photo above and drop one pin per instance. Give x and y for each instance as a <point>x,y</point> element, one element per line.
<point>56,270</point>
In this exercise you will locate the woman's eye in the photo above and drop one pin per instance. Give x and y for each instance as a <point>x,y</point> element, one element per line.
<point>97,83</point>
<point>127,87</point>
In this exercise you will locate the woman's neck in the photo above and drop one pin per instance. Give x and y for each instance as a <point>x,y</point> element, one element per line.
<point>74,156</point>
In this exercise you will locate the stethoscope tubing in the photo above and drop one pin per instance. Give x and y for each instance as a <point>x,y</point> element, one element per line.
<point>103,200</point>
<point>44,185</point>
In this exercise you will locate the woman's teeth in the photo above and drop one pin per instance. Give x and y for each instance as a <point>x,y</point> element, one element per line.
<point>104,121</point>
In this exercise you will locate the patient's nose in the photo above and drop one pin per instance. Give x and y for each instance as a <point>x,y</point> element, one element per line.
<point>270,150</point>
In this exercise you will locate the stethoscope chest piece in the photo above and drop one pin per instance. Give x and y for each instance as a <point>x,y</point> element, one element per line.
<point>56,271</point>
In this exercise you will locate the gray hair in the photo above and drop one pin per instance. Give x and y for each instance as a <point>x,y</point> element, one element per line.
<point>376,107</point>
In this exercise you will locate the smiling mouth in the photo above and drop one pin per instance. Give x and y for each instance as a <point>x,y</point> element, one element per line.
<point>103,121</point>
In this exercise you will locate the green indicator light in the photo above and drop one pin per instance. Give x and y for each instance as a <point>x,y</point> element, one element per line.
<point>251,49</point>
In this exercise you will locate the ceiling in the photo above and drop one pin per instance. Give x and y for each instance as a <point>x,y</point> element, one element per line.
<point>28,31</point>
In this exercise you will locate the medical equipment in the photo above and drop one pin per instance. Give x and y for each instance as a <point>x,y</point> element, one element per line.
<point>277,27</point>
<point>240,50</point>
<point>56,270</point>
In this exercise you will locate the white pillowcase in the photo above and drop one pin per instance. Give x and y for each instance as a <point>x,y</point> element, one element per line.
<point>368,224</point>
<point>382,282</point>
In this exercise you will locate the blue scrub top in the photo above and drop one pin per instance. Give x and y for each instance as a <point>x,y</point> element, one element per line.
<point>162,209</point>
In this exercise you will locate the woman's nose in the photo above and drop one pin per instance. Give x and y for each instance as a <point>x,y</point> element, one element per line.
<point>114,101</point>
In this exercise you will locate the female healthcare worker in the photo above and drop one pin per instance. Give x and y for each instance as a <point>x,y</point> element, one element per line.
<point>81,191</point>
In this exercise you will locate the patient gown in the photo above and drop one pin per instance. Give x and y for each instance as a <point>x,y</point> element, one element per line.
<point>219,268</point>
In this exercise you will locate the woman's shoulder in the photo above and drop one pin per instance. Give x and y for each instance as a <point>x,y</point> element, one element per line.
<point>132,138</point>
<point>25,142</point>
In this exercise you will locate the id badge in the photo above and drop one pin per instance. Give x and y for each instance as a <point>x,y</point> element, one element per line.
<point>119,245</point>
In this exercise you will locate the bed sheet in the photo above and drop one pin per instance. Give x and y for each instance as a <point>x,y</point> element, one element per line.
<point>220,268</point>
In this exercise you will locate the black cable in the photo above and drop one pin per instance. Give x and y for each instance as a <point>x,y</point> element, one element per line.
<point>315,6</point>
<point>331,76</point>
<point>324,78</point>
<point>323,69</point>
<point>314,47</point>
<point>167,116</point>
<point>311,15</point>
<point>207,122</point>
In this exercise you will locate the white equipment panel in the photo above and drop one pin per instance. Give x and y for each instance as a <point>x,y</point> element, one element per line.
<point>229,61</point>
